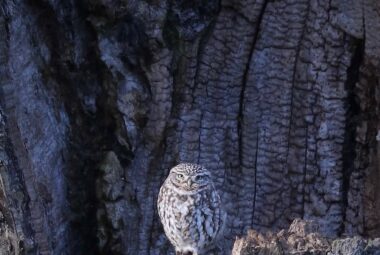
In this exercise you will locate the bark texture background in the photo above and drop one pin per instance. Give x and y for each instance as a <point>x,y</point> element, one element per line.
<point>100,98</point>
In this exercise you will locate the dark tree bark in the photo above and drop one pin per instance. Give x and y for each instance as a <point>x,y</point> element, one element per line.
<point>100,98</point>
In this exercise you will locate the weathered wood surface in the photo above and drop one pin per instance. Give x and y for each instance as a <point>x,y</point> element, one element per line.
<point>279,99</point>
<point>303,237</point>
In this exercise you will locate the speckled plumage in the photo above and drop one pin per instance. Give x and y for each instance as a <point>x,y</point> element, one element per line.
<point>190,209</point>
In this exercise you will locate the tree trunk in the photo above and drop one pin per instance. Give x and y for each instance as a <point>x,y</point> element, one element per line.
<point>99,99</point>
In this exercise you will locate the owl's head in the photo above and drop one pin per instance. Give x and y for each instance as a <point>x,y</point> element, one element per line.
<point>189,176</point>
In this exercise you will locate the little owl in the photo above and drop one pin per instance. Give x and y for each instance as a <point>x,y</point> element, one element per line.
<point>190,209</point>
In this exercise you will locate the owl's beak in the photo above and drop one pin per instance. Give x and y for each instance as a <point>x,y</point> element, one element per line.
<point>189,183</point>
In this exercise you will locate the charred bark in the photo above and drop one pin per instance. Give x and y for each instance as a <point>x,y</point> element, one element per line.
<point>99,99</point>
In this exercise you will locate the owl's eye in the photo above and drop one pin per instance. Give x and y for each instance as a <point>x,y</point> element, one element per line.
<point>199,177</point>
<point>180,176</point>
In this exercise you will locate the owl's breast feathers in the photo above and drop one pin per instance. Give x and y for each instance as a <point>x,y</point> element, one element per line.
<point>193,219</point>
